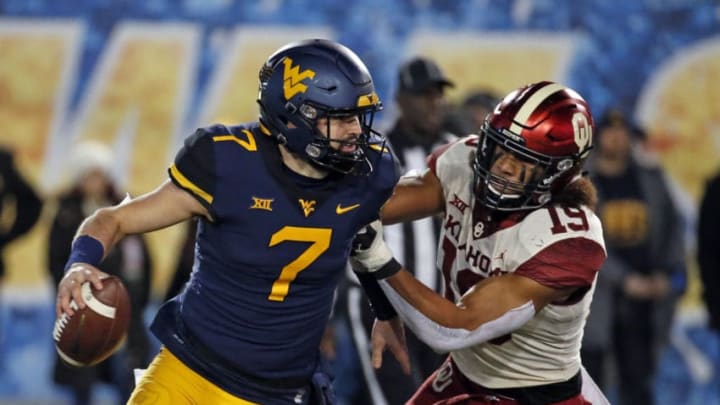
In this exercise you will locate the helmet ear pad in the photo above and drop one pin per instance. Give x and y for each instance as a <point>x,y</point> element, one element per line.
<point>292,130</point>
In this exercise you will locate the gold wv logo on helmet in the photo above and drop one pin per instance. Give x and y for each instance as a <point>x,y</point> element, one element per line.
<point>293,77</point>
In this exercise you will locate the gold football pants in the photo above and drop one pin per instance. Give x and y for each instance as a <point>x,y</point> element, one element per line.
<point>168,381</point>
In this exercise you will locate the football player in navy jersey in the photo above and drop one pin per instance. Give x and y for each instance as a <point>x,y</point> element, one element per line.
<point>519,249</point>
<point>279,203</point>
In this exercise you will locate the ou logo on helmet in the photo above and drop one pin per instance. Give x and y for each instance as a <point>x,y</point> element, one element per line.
<point>583,132</point>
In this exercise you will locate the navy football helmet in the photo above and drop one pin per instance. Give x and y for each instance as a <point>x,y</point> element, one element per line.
<point>312,79</point>
<point>545,124</point>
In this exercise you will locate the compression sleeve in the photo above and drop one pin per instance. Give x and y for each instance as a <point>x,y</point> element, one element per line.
<point>442,339</point>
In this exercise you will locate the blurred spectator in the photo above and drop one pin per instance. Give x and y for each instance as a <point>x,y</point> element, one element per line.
<point>20,206</point>
<point>478,104</point>
<point>92,187</point>
<point>709,249</point>
<point>643,277</point>
<point>468,117</point>
<point>422,106</point>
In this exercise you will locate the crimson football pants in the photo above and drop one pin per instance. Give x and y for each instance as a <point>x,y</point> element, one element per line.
<point>448,386</point>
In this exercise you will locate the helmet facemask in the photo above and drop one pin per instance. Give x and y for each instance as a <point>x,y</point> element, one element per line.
<point>542,174</point>
<point>326,151</point>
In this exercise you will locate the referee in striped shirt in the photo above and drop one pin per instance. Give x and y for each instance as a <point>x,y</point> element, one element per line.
<point>422,109</point>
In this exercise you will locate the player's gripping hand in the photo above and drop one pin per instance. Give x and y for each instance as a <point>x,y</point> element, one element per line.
<point>370,254</point>
<point>389,334</point>
<point>69,287</point>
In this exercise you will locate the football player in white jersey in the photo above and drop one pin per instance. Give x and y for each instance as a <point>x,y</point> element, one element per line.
<point>519,249</point>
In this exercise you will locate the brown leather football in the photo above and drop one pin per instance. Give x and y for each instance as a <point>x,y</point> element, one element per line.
<point>93,333</point>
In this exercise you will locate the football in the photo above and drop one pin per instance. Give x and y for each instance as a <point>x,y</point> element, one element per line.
<point>93,333</point>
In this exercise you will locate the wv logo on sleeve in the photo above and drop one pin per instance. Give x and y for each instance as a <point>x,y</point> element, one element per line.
<point>293,77</point>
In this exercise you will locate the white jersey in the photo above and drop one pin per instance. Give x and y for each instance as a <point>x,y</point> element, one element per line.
<point>555,246</point>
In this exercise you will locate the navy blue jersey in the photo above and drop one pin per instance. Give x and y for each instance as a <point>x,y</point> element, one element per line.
<point>267,265</point>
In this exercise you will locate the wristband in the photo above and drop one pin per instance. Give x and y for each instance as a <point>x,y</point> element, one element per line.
<point>85,249</point>
<point>381,307</point>
<point>387,270</point>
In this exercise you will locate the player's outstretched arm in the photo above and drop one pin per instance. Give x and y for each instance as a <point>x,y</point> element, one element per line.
<point>492,308</point>
<point>167,205</point>
<point>414,197</point>
<point>487,301</point>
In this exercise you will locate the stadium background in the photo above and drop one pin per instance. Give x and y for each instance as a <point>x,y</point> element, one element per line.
<point>141,75</point>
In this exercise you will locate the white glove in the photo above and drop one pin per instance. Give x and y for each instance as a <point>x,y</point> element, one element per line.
<point>369,251</point>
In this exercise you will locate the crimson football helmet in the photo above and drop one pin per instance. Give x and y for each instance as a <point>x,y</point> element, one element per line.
<point>311,79</point>
<point>545,124</point>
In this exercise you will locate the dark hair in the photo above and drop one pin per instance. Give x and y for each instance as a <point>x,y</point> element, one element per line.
<point>483,98</point>
<point>111,193</point>
<point>579,192</point>
<point>420,74</point>
<point>615,117</point>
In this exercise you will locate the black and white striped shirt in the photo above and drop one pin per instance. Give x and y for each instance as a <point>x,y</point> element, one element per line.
<point>414,244</point>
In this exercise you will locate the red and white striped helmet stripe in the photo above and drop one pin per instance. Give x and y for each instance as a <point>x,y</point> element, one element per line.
<point>531,104</point>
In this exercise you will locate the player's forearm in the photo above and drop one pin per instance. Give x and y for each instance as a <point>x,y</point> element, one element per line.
<point>104,226</point>
<point>432,320</point>
<point>397,212</point>
<point>163,207</point>
<point>414,197</point>
<point>427,301</point>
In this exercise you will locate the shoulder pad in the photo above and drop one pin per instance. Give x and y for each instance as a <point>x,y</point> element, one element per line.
<point>194,167</point>
<point>386,166</point>
<point>545,226</point>
<point>561,247</point>
<point>378,145</point>
<point>452,150</point>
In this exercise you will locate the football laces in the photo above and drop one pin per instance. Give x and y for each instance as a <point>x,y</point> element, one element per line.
<point>62,322</point>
